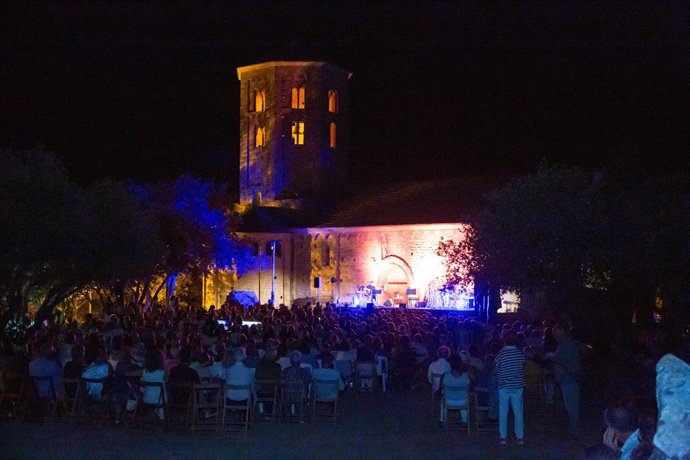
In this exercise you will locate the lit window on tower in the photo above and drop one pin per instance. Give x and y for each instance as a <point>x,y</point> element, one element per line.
<point>260,101</point>
<point>332,135</point>
<point>298,96</point>
<point>260,137</point>
<point>298,132</point>
<point>332,101</point>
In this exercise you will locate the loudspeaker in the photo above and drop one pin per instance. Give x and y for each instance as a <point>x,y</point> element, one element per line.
<point>317,282</point>
<point>403,306</point>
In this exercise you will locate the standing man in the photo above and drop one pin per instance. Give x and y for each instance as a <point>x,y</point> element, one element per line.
<point>566,366</point>
<point>510,365</point>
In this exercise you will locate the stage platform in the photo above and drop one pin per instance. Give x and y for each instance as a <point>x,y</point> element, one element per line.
<point>435,311</point>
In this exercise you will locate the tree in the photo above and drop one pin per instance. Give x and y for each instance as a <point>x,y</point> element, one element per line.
<point>644,248</point>
<point>195,231</point>
<point>58,238</point>
<point>559,232</point>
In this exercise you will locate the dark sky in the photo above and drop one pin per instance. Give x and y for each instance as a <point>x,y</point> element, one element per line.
<point>148,90</point>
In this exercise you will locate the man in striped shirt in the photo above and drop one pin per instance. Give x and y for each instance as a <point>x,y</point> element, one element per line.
<point>510,364</point>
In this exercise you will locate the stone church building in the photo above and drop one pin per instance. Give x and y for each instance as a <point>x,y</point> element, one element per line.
<point>294,145</point>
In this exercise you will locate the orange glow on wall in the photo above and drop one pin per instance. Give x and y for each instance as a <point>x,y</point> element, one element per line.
<point>260,101</point>
<point>298,96</point>
<point>260,137</point>
<point>298,133</point>
<point>332,135</point>
<point>332,101</point>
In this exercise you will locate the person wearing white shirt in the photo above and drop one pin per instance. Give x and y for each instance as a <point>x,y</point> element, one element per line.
<point>239,374</point>
<point>439,367</point>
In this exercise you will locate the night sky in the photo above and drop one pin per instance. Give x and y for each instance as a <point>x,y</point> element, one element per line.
<point>149,90</point>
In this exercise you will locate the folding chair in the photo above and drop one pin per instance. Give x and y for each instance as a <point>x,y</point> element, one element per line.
<point>266,400</point>
<point>365,374</point>
<point>48,404</point>
<point>480,402</point>
<point>157,406</point>
<point>436,392</point>
<point>68,403</point>
<point>344,366</point>
<point>86,405</point>
<point>292,402</point>
<point>233,408</point>
<point>206,406</point>
<point>455,398</point>
<point>325,393</point>
<point>179,401</point>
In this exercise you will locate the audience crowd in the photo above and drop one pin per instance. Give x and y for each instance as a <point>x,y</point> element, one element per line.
<point>238,345</point>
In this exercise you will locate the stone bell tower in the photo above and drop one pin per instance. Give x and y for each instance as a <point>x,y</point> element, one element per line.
<point>294,133</point>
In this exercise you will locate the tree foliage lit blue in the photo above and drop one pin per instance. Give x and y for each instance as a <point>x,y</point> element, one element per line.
<point>191,203</point>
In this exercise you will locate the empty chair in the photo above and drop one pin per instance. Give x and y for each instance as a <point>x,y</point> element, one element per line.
<point>483,418</point>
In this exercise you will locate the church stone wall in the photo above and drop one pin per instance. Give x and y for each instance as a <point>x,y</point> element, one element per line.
<point>392,257</point>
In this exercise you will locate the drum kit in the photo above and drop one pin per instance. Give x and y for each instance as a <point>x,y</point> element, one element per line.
<point>447,296</point>
<point>364,295</point>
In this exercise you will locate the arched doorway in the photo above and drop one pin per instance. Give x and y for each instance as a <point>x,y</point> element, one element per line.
<point>394,280</point>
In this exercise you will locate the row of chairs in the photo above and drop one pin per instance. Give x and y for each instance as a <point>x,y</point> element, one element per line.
<point>477,402</point>
<point>198,406</point>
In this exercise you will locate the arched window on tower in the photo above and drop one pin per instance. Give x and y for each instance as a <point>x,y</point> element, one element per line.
<point>298,97</point>
<point>259,137</point>
<point>332,135</point>
<point>332,101</point>
<point>298,132</point>
<point>260,101</point>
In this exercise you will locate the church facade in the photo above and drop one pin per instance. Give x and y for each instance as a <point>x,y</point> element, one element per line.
<point>294,144</point>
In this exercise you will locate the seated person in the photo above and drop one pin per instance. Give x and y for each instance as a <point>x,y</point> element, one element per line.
<point>202,366</point>
<point>154,372</point>
<point>125,382</point>
<point>45,365</point>
<point>73,369</point>
<point>326,372</point>
<point>295,379</point>
<point>96,368</point>
<point>240,375</point>
<point>183,374</point>
<point>403,363</point>
<point>456,378</point>
<point>622,434</point>
<point>439,367</point>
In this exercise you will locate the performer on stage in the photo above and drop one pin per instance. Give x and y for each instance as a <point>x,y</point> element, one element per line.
<point>372,292</point>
